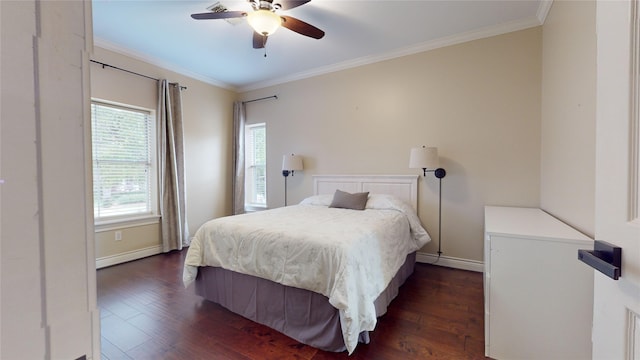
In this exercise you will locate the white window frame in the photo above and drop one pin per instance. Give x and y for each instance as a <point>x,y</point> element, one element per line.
<point>109,223</point>
<point>250,165</point>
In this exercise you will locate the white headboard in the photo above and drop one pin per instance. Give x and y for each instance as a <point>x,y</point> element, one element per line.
<point>405,187</point>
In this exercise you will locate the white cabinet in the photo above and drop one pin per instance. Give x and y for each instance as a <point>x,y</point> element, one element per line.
<point>538,295</point>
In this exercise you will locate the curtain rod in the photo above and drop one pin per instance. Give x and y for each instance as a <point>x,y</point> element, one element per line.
<point>132,72</point>
<point>264,98</point>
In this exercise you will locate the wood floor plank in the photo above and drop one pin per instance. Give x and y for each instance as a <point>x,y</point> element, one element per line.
<point>146,313</point>
<point>122,334</point>
<point>111,352</point>
<point>150,350</point>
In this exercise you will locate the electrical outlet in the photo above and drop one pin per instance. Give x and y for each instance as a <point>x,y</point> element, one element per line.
<point>118,235</point>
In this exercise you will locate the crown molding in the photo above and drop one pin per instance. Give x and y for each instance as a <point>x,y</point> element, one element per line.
<point>160,63</point>
<point>410,50</point>
<point>543,10</point>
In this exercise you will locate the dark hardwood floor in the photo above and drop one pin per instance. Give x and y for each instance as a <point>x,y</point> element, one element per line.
<point>147,314</point>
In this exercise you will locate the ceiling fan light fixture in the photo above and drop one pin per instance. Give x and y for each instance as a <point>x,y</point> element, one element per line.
<point>264,22</point>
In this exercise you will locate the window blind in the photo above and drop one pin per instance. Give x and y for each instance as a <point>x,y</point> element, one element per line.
<point>122,153</point>
<point>255,160</point>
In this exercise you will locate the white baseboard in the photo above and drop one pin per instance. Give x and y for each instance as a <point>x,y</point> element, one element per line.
<point>127,256</point>
<point>456,263</point>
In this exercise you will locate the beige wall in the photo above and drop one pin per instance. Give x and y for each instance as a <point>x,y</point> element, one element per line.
<point>481,103</point>
<point>134,239</point>
<point>207,112</point>
<point>478,102</point>
<point>568,114</point>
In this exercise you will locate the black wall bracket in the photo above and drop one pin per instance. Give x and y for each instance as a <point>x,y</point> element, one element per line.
<point>604,257</point>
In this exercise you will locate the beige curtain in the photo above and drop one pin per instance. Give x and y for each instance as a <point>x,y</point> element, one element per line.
<point>173,202</point>
<point>238,157</point>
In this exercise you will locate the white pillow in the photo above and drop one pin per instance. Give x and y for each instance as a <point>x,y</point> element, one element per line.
<point>318,200</point>
<point>384,201</point>
<point>390,202</point>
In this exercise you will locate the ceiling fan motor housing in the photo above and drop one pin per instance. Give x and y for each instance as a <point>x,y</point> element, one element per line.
<point>265,5</point>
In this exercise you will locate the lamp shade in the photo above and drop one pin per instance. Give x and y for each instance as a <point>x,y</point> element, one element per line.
<point>264,22</point>
<point>291,162</point>
<point>424,158</point>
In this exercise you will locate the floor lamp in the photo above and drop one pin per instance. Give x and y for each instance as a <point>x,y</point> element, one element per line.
<point>290,163</point>
<point>426,158</point>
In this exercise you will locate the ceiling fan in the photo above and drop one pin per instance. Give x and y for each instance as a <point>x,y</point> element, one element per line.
<point>265,21</point>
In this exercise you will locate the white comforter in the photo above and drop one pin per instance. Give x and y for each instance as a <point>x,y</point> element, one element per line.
<point>349,256</point>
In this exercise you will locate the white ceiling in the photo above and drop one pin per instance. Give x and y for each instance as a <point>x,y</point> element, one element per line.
<point>358,32</point>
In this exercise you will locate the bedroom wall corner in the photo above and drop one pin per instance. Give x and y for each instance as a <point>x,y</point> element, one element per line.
<point>567,186</point>
<point>207,113</point>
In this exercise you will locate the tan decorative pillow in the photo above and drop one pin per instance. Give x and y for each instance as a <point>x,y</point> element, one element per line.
<point>346,200</point>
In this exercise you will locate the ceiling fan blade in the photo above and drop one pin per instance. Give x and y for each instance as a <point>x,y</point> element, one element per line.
<point>219,15</point>
<point>301,27</point>
<point>290,4</point>
<point>259,41</point>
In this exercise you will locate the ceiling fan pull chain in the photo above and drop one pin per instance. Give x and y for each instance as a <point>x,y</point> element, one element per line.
<point>264,44</point>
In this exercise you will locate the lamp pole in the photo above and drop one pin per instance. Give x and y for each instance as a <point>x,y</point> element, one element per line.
<point>439,173</point>
<point>285,173</point>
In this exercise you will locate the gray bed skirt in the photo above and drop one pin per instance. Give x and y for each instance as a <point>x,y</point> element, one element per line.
<point>303,315</point>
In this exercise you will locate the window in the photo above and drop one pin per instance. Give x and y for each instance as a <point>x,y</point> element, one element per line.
<point>255,183</point>
<point>123,149</point>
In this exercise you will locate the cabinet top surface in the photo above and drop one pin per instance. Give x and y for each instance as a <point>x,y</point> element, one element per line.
<point>528,222</point>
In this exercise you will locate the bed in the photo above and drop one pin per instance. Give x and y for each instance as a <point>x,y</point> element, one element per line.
<point>319,274</point>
